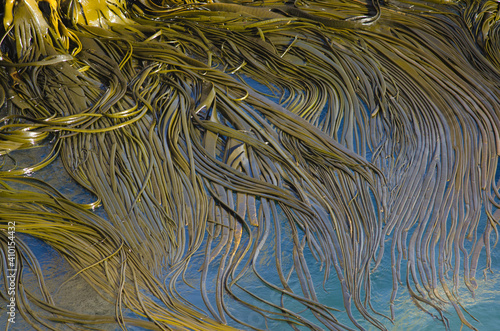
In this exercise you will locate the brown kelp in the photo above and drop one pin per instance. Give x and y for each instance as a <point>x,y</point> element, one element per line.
<point>328,133</point>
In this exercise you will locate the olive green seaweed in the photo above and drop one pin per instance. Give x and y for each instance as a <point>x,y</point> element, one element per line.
<point>374,132</point>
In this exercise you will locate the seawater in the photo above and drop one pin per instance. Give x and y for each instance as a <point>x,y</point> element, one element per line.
<point>68,292</point>
<point>79,296</point>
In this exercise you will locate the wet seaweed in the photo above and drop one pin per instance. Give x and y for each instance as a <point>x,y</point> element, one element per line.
<point>375,132</point>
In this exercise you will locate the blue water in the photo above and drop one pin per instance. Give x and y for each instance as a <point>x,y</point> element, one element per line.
<point>79,296</point>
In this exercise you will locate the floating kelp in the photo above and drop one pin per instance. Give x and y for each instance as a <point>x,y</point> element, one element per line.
<point>376,128</point>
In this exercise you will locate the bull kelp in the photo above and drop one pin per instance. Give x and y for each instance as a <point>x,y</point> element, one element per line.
<point>240,145</point>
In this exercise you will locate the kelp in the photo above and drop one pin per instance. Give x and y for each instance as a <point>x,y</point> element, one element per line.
<point>375,129</point>
<point>93,248</point>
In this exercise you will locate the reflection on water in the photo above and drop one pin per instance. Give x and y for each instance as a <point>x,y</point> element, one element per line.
<point>77,295</point>
<point>484,308</point>
<point>408,317</point>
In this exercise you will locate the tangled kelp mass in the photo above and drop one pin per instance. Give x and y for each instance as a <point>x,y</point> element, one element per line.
<point>331,133</point>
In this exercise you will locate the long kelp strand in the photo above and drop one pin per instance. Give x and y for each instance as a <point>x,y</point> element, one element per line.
<point>374,122</point>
